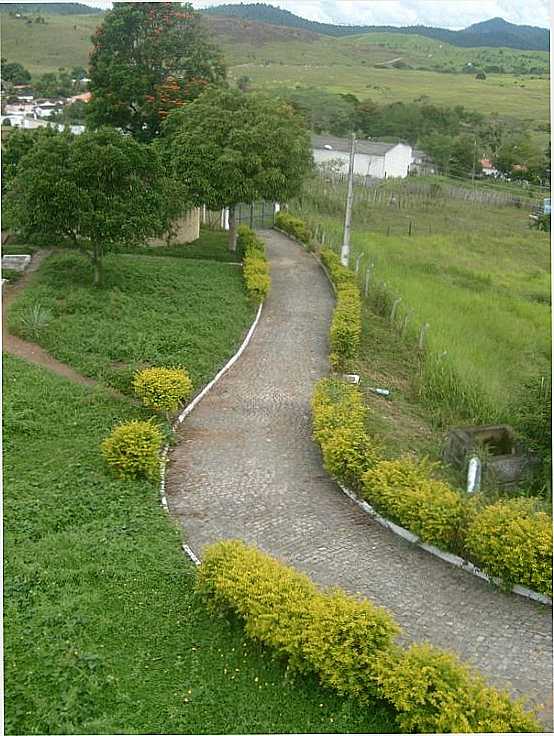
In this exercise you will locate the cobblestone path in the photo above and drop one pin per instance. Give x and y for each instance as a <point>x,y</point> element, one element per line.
<point>246,467</point>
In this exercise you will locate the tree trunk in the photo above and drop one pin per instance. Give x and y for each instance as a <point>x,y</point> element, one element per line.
<point>232,229</point>
<point>97,263</point>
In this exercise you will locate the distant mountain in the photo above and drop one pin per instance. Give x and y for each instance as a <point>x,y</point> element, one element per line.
<point>49,8</point>
<point>495,32</point>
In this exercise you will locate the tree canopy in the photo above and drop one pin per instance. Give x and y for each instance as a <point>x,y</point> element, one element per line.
<point>148,58</point>
<point>97,189</point>
<point>229,147</point>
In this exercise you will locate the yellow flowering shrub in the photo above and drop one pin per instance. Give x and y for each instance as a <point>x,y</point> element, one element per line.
<point>339,418</point>
<point>404,491</point>
<point>346,328</point>
<point>256,275</point>
<point>248,241</point>
<point>433,692</point>
<point>294,226</point>
<point>513,541</point>
<point>132,449</point>
<point>332,634</point>
<point>162,389</point>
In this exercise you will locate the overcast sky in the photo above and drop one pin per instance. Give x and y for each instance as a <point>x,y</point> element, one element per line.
<point>444,13</point>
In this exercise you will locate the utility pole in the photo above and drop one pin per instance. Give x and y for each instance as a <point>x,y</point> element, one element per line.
<point>345,251</point>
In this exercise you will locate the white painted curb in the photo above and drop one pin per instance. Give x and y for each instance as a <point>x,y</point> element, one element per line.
<point>448,557</point>
<point>406,534</point>
<point>189,408</point>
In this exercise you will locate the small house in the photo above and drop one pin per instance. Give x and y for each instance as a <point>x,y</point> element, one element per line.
<point>372,159</point>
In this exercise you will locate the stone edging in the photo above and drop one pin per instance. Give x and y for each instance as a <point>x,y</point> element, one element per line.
<point>448,557</point>
<point>188,409</point>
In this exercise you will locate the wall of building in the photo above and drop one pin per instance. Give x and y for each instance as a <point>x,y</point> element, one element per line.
<point>185,230</point>
<point>395,162</point>
<point>398,160</point>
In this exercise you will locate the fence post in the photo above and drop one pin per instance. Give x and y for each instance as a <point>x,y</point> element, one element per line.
<point>394,308</point>
<point>358,259</point>
<point>405,323</point>
<point>422,334</point>
<point>252,215</point>
<point>367,277</point>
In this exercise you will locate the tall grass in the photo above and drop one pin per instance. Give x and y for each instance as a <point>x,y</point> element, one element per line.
<point>477,276</point>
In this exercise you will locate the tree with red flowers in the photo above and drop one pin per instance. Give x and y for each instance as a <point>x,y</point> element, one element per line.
<point>148,59</point>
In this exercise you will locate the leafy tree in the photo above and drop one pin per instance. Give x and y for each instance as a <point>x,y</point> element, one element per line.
<point>51,84</point>
<point>520,150</point>
<point>97,189</point>
<point>78,73</point>
<point>440,148</point>
<point>148,59</point>
<point>15,73</point>
<point>19,143</point>
<point>229,147</point>
<point>243,83</point>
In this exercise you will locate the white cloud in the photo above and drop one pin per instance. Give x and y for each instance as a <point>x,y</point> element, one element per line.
<point>454,14</point>
<point>445,13</point>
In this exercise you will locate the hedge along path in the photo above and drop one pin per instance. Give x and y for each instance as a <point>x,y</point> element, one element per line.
<point>246,467</point>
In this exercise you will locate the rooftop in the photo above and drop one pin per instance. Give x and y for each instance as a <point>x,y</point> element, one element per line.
<point>373,148</point>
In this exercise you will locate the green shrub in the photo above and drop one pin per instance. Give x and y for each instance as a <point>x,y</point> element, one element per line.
<point>349,644</point>
<point>404,491</point>
<point>346,328</point>
<point>162,389</point>
<point>433,692</point>
<point>329,633</point>
<point>513,541</point>
<point>339,418</point>
<point>256,276</point>
<point>248,241</point>
<point>132,449</point>
<point>340,275</point>
<point>294,226</point>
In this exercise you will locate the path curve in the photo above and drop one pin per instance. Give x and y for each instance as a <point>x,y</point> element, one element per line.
<point>246,467</point>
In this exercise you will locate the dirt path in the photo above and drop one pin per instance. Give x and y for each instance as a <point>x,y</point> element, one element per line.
<point>29,350</point>
<point>246,467</point>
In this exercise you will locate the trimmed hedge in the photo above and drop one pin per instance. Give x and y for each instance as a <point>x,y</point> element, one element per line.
<point>255,265</point>
<point>513,541</point>
<point>339,420</point>
<point>509,540</point>
<point>329,633</point>
<point>433,692</point>
<point>346,325</point>
<point>404,491</point>
<point>293,226</point>
<point>349,644</point>
<point>162,389</point>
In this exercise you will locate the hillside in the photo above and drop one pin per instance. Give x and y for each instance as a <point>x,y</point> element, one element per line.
<point>495,32</point>
<point>50,8</point>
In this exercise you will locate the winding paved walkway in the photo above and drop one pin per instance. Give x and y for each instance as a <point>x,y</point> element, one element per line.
<point>246,467</point>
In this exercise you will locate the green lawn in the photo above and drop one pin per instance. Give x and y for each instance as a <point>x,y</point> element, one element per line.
<point>211,246</point>
<point>151,311</point>
<point>103,631</point>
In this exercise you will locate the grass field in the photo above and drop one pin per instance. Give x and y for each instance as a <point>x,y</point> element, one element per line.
<point>103,632</point>
<point>280,58</point>
<point>476,274</point>
<point>151,311</point>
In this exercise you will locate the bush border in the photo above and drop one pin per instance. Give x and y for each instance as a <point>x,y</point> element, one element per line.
<point>406,534</point>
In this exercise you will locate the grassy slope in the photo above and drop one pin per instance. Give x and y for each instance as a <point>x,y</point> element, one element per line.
<point>103,632</point>
<point>481,279</point>
<point>338,65</point>
<point>151,311</point>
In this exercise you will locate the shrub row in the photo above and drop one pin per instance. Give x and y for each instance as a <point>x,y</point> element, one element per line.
<point>255,265</point>
<point>349,644</point>
<point>293,226</point>
<point>509,539</point>
<point>346,325</point>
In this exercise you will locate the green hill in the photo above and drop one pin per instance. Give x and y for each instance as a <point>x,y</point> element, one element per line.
<point>50,8</point>
<point>495,32</point>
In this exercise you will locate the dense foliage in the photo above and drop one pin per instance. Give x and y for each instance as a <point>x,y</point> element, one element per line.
<point>148,59</point>
<point>162,389</point>
<point>97,189</point>
<point>132,449</point>
<point>229,147</point>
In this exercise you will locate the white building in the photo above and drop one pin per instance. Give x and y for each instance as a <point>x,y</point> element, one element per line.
<point>27,123</point>
<point>373,159</point>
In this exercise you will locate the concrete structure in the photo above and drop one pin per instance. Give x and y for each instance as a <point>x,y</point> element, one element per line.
<point>422,163</point>
<point>185,230</point>
<point>27,123</point>
<point>373,159</point>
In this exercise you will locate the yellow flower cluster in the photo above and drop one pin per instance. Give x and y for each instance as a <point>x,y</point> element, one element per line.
<point>255,265</point>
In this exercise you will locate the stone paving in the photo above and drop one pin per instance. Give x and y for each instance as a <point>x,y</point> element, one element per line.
<point>246,467</point>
